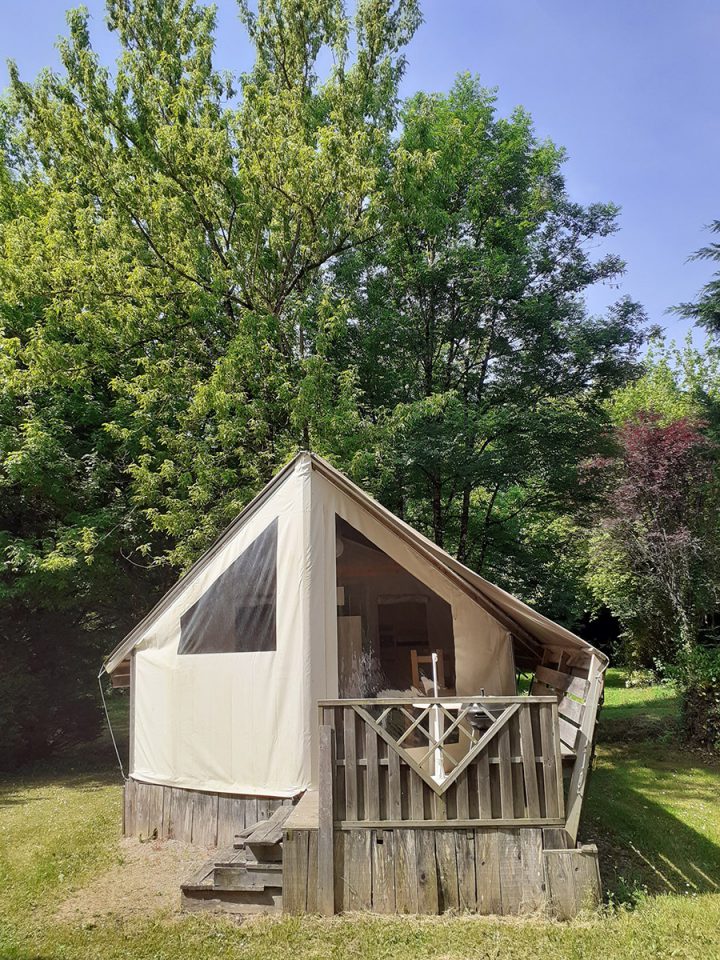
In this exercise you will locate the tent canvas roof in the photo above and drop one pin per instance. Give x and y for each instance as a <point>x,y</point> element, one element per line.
<point>531,628</point>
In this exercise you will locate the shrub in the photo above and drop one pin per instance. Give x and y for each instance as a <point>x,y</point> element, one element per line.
<point>697,673</point>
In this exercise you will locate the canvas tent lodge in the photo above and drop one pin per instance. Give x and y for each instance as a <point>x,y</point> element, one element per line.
<point>323,651</point>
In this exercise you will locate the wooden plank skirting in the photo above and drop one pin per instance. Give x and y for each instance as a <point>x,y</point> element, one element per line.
<point>432,871</point>
<point>194,816</point>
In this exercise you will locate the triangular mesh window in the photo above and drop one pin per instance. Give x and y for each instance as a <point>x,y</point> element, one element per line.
<point>237,613</point>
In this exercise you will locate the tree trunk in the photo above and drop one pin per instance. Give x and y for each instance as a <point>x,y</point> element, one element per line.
<point>438,520</point>
<point>464,522</point>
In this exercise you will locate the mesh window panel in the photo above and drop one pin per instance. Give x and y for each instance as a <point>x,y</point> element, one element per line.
<point>237,614</point>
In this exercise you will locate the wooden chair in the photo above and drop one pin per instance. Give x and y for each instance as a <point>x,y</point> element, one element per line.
<point>416,660</point>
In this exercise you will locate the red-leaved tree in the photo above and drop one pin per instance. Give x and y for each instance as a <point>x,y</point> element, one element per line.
<point>656,546</point>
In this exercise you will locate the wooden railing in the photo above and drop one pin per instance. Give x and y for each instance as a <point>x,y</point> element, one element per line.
<point>451,762</point>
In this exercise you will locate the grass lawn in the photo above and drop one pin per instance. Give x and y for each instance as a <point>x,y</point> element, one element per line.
<point>654,808</point>
<point>638,705</point>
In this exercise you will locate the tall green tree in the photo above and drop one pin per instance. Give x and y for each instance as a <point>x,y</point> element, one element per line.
<point>705,309</point>
<point>170,272</point>
<point>476,357</point>
<point>166,323</point>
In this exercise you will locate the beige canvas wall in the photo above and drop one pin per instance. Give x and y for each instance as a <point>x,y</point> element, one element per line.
<point>234,722</point>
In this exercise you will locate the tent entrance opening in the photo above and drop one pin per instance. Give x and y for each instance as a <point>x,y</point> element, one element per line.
<point>389,623</point>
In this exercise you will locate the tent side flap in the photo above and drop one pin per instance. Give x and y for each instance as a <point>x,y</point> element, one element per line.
<point>221,675</point>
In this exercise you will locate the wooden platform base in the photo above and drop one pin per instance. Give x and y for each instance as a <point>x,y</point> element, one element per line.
<point>433,871</point>
<point>194,816</point>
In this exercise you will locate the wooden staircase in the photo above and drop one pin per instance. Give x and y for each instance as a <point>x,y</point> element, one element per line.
<point>245,878</point>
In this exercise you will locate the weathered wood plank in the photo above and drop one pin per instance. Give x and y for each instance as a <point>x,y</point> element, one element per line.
<point>372,796</point>
<point>568,733</point>
<point>141,808</point>
<point>417,806</point>
<point>403,701</point>
<point>351,785</point>
<point>507,806</point>
<point>231,819</point>
<point>358,870</point>
<point>305,813</point>
<point>570,709</point>
<point>440,807</point>
<point>128,826</point>
<point>295,877</point>
<point>556,752</point>
<point>204,821</point>
<point>484,791</point>
<point>555,838</point>
<point>576,686</point>
<point>447,870</point>
<point>326,843</point>
<point>164,825</point>
<point>394,798</point>
<point>427,879</point>
<point>151,804</point>
<point>312,871</point>
<point>251,811</point>
<point>527,749</point>
<point>573,881</point>
<point>270,831</point>
<point>383,871</point>
<point>487,872</point>
<point>181,814</point>
<point>445,824</point>
<point>154,801</point>
<point>465,857</point>
<point>550,784</point>
<point>463,796</point>
<point>339,877</point>
<point>511,872</point>
<point>578,780</point>
<point>533,871</point>
<point>406,878</point>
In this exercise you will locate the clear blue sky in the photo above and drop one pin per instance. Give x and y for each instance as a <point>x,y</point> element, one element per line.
<point>631,88</point>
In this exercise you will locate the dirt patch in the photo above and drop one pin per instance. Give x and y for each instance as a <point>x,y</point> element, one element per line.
<point>145,879</point>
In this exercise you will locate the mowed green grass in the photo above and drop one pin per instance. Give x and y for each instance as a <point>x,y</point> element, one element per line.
<point>653,807</point>
<point>636,704</point>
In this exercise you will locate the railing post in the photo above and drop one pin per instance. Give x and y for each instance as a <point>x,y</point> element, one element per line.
<point>326,823</point>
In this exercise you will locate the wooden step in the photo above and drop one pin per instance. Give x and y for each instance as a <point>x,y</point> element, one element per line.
<point>241,902</point>
<point>234,883</point>
<point>264,840</point>
<point>244,878</point>
<point>266,832</point>
<point>248,876</point>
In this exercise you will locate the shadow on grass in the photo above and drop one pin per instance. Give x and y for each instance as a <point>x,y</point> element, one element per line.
<point>632,714</point>
<point>85,766</point>
<point>21,789</point>
<point>644,844</point>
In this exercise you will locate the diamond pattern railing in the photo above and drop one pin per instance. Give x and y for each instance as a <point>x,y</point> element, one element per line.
<point>467,759</point>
